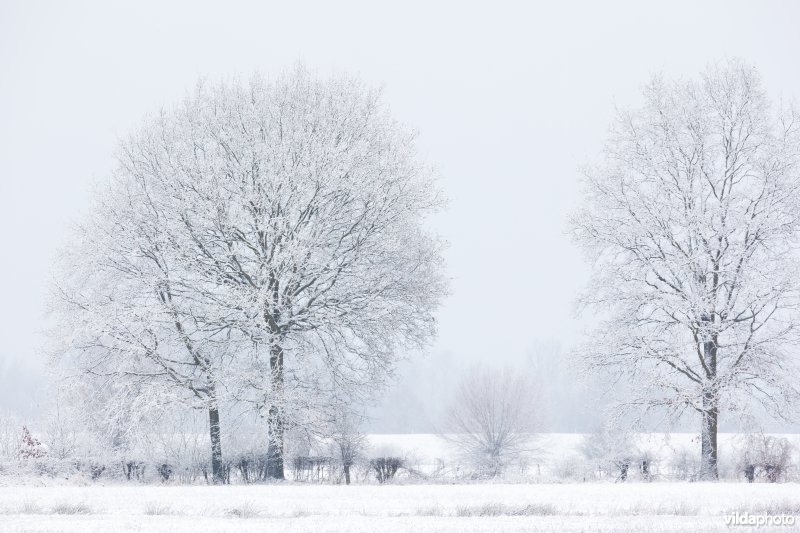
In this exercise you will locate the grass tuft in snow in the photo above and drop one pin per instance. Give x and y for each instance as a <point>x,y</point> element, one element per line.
<point>680,508</point>
<point>243,510</point>
<point>430,511</point>
<point>499,509</point>
<point>29,507</point>
<point>785,506</point>
<point>71,508</point>
<point>158,509</point>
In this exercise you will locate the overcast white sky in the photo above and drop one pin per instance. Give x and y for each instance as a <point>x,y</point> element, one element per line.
<point>510,100</point>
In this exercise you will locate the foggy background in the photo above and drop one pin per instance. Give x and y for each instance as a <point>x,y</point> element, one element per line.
<point>510,100</point>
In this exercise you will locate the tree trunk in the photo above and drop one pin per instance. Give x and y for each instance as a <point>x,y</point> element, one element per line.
<point>347,474</point>
<point>217,475</point>
<point>275,419</point>
<point>708,440</point>
<point>708,433</point>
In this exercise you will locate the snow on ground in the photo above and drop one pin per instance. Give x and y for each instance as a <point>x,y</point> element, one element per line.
<point>599,507</point>
<point>57,505</point>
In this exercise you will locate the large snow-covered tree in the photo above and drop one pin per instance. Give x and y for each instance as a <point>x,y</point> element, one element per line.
<point>691,225</point>
<point>282,226</point>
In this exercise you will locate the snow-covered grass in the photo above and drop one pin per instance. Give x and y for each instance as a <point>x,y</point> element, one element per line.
<point>657,507</point>
<point>412,503</point>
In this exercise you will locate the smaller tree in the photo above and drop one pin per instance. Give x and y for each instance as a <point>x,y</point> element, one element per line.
<point>9,435</point>
<point>612,451</point>
<point>30,447</point>
<point>61,429</point>
<point>766,456</point>
<point>491,419</point>
<point>683,464</point>
<point>348,441</point>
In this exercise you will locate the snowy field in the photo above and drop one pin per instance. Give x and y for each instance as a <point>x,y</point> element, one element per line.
<point>607,507</point>
<point>42,504</point>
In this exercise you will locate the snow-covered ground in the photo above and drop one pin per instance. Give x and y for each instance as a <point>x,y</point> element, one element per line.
<point>653,507</point>
<point>533,504</point>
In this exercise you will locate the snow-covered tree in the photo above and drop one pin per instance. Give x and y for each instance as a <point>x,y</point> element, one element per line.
<point>612,450</point>
<point>348,441</point>
<point>133,321</point>
<point>691,226</point>
<point>30,447</point>
<point>492,418</point>
<point>765,456</point>
<point>61,433</point>
<point>9,435</point>
<point>265,241</point>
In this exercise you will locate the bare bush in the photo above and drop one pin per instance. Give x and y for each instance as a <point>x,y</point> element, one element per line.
<point>386,467</point>
<point>348,441</point>
<point>766,457</point>
<point>684,464</point>
<point>612,451</point>
<point>492,418</point>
